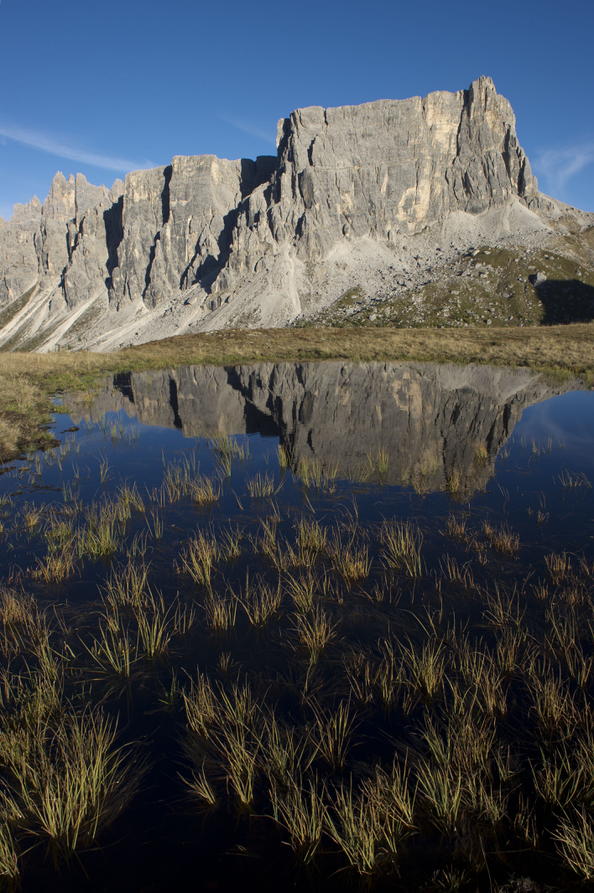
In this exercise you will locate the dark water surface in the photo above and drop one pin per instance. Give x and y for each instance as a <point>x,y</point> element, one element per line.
<point>388,441</point>
<point>353,447</point>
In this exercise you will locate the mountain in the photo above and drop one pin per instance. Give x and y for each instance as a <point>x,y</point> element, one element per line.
<point>367,213</point>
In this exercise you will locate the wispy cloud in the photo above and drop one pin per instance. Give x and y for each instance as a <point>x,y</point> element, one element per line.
<point>46,143</point>
<point>558,166</point>
<point>267,136</point>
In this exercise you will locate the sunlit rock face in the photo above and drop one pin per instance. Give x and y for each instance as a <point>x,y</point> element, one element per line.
<point>383,168</point>
<point>355,195</point>
<point>422,425</point>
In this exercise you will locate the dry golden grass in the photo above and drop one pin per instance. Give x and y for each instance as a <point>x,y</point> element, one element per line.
<point>31,378</point>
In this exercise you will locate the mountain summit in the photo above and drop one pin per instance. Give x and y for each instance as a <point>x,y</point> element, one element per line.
<point>361,207</point>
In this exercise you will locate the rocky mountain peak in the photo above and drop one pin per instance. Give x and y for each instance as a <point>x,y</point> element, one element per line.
<point>357,197</point>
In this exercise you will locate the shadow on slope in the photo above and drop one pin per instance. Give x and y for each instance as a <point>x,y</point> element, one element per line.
<point>565,301</point>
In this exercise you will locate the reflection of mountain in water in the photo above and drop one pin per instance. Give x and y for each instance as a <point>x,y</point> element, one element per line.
<point>440,426</point>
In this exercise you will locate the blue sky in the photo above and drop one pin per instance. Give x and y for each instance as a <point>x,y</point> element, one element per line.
<point>105,87</point>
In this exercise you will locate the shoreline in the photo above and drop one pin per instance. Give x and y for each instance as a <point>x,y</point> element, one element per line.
<point>28,380</point>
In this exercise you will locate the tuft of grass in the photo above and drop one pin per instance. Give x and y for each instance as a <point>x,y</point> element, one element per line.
<point>502,538</point>
<point>227,449</point>
<point>574,837</point>
<point>9,856</point>
<point>102,534</point>
<point>202,789</point>
<point>203,491</point>
<point>572,480</point>
<point>220,611</point>
<point>260,601</point>
<point>350,559</point>
<point>73,783</point>
<point>299,808</point>
<point>198,558</point>
<point>331,733</point>
<point>313,473</point>
<point>315,631</point>
<point>402,542</point>
<point>311,539</point>
<point>369,824</point>
<point>261,486</point>
<point>559,566</point>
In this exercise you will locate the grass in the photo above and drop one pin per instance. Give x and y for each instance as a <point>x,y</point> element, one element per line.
<point>226,450</point>
<point>501,538</point>
<point>73,782</point>
<point>315,630</point>
<point>27,380</point>
<point>261,486</point>
<point>331,733</point>
<point>199,557</point>
<point>574,837</point>
<point>362,703</point>
<point>260,601</point>
<point>300,809</point>
<point>402,544</point>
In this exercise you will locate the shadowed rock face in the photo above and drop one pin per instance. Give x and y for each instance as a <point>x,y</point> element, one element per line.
<point>440,427</point>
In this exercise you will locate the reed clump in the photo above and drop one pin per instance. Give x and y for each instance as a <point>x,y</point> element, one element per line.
<point>402,542</point>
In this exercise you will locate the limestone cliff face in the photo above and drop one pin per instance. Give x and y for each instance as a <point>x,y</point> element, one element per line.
<point>440,426</point>
<point>379,169</point>
<point>353,194</point>
<point>38,245</point>
<point>175,225</point>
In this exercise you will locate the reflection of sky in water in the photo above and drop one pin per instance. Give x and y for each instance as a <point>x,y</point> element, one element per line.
<point>552,438</point>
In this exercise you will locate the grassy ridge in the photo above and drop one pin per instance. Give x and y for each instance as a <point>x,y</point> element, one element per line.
<point>27,380</point>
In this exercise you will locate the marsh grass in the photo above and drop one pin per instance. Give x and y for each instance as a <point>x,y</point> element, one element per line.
<point>202,789</point>
<point>9,856</point>
<point>260,601</point>
<point>574,837</point>
<point>203,491</point>
<point>262,486</point>
<point>311,539</point>
<point>198,558</point>
<point>227,449</point>
<point>371,701</point>
<point>501,538</point>
<point>313,473</point>
<point>402,542</point>
<point>302,589</point>
<point>300,809</point>
<point>572,480</point>
<point>332,731</point>
<point>559,566</point>
<point>220,611</point>
<point>369,823</point>
<point>102,533</point>
<point>159,623</point>
<point>73,783</point>
<point>456,527</point>
<point>229,735</point>
<point>182,480</point>
<point>350,557</point>
<point>315,630</point>
<point>58,564</point>
<point>454,572</point>
<point>424,669</point>
<point>377,463</point>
